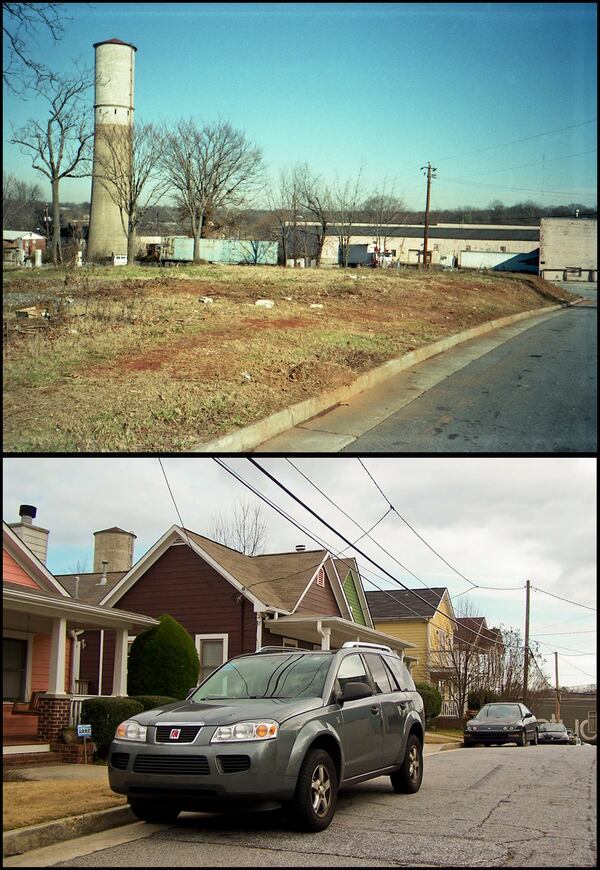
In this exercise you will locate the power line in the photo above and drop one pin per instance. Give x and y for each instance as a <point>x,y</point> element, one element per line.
<point>173,499</point>
<point>568,600</point>
<point>557,633</point>
<point>364,555</point>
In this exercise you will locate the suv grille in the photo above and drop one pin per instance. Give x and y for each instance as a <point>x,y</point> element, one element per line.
<point>171,765</point>
<point>120,760</point>
<point>187,733</point>
<point>233,763</point>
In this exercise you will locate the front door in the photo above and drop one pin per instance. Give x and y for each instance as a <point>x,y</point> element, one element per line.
<point>14,669</point>
<point>361,731</point>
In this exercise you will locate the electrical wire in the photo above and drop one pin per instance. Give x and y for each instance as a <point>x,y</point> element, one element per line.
<point>568,600</point>
<point>174,502</point>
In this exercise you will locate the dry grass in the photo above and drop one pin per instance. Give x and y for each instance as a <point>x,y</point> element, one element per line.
<point>30,803</point>
<point>131,362</point>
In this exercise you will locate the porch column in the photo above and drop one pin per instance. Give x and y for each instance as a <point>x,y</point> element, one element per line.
<point>58,646</point>
<point>120,666</point>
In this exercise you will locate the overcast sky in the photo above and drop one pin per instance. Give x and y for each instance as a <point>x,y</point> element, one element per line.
<point>500,97</point>
<point>498,522</point>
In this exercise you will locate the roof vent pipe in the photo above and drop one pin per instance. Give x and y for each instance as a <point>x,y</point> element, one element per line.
<point>76,592</point>
<point>102,580</point>
<point>300,548</point>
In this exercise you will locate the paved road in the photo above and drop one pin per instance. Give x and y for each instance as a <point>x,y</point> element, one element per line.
<point>482,807</point>
<point>535,393</point>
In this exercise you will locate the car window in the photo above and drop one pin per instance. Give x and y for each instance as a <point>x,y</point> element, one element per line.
<point>267,676</point>
<point>352,670</point>
<point>401,673</point>
<point>551,726</point>
<point>500,711</point>
<point>381,678</point>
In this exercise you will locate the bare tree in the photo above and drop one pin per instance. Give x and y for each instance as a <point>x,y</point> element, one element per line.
<point>208,168</point>
<point>283,200</point>
<point>244,528</point>
<point>20,202</point>
<point>345,198</point>
<point>382,208</point>
<point>61,146</point>
<point>20,25</point>
<point>315,198</point>
<point>127,166</point>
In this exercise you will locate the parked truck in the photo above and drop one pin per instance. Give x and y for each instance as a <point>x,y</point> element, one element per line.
<point>179,249</point>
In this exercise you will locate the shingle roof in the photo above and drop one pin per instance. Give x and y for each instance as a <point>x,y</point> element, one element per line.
<point>89,592</point>
<point>404,604</point>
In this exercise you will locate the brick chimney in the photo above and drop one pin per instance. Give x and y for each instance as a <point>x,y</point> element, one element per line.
<point>35,537</point>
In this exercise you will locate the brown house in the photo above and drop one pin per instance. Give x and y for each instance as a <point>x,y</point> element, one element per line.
<point>229,603</point>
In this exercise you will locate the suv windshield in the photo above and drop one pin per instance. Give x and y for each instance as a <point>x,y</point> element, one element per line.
<point>499,711</point>
<point>267,676</point>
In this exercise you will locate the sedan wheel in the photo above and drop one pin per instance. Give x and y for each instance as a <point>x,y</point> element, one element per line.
<point>522,739</point>
<point>535,738</point>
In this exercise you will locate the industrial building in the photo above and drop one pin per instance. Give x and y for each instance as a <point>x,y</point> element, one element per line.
<point>499,247</point>
<point>569,249</point>
<point>113,114</point>
<point>17,245</point>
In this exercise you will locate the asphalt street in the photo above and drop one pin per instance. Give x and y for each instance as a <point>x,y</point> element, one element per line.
<point>481,807</point>
<point>536,393</point>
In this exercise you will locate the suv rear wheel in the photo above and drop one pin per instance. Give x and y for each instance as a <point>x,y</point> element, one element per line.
<point>154,811</point>
<point>407,779</point>
<point>313,804</point>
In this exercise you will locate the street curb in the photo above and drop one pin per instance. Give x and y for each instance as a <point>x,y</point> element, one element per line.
<point>35,836</point>
<point>250,436</point>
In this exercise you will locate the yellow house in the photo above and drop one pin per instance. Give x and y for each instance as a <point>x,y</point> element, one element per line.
<point>423,617</point>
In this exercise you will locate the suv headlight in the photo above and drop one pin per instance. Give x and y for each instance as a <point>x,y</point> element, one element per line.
<point>265,730</point>
<point>131,730</point>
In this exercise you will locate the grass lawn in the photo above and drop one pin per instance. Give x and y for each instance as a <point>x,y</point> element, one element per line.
<point>32,802</point>
<point>134,359</point>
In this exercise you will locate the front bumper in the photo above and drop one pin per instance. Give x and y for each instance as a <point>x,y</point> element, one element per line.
<point>199,777</point>
<point>564,741</point>
<point>493,736</point>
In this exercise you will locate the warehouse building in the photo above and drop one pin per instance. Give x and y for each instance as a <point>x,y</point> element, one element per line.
<point>569,249</point>
<point>494,246</point>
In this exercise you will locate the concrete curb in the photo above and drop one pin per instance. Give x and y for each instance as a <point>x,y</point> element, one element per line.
<point>34,837</point>
<point>250,436</point>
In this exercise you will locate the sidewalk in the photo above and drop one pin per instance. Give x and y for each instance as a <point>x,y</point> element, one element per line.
<point>23,840</point>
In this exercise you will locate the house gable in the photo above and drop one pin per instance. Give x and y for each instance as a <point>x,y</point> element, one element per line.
<point>12,572</point>
<point>322,600</point>
<point>351,589</point>
<point>20,563</point>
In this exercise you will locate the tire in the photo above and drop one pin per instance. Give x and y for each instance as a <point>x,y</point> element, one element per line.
<point>313,806</point>
<point>154,811</point>
<point>534,740</point>
<point>408,778</point>
<point>522,740</point>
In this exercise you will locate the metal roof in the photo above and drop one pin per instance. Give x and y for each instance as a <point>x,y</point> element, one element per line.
<point>468,233</point>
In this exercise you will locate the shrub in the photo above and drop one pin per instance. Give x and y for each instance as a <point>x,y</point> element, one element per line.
<point>477,699</point>
<point>104,714</point>
<point>149,702</point>
<point>432,701</point>
<point>163,661</point>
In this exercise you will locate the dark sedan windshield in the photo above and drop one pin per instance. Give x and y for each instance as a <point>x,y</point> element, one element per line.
<point>510,712</point>
<point>267,676</point>
<point>552,727</point>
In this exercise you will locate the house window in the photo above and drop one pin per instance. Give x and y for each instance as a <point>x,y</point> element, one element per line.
<point>14,669</point>
<point>321,577</point>
<point>290,641</point>
<point>212,652</point>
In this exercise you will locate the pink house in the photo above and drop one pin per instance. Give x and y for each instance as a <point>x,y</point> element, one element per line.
<point>41,630</point>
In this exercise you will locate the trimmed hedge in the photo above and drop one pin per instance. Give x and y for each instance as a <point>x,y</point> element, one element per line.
<point>432,701</point>
<point>149,702</point>
<point>104,714</point>
<point>163,661</point>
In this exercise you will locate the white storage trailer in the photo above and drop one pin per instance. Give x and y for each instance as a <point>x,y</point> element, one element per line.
<point>179,249</point>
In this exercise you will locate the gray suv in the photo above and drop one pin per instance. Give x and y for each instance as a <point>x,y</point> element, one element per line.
<point>278,727</point>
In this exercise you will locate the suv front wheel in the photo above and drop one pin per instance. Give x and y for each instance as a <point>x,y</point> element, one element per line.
<point>407,779</point>
<point>313,804</point>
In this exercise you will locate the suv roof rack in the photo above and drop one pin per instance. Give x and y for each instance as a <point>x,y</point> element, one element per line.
<point>360,644</point>
<point>287,649</point>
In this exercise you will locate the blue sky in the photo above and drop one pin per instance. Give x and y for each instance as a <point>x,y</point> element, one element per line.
<point>498,522</point>
<point>387,86</point>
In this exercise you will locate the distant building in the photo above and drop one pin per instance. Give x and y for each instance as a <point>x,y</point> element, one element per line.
<point>569,249</point>
<point>577,711</point>
<point>18,244</point>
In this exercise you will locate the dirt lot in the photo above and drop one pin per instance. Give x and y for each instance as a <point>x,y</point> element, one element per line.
<point>136,360</point>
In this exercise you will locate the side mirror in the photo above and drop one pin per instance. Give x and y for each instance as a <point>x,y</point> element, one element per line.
<point>353,692</point>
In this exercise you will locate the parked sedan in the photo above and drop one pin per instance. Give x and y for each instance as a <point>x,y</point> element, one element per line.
<point>553,732</point>
<point>502,723</point>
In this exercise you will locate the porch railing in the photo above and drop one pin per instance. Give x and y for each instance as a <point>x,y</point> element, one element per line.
<point>75,712</point>
<point>449,708</point>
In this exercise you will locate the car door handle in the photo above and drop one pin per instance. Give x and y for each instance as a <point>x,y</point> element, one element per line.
<point>375,709</point>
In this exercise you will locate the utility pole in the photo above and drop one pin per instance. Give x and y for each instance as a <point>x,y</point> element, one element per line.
<point>430,169</point>
<point>526,652</point>
<point>557,712</point>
